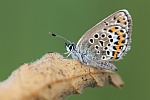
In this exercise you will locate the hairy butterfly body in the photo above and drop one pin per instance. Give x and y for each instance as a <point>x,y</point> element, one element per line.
<point>107,41</point>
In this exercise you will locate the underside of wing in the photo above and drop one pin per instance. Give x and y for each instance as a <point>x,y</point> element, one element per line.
<point>109,39</point>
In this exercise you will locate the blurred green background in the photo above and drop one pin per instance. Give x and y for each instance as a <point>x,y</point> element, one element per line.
<point>24,27</point>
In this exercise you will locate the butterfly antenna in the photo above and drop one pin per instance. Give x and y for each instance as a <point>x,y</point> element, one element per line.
<point>56,35</point>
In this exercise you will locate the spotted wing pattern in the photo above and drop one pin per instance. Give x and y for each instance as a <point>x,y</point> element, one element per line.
<point>118,34</point>
<point>110,38</point>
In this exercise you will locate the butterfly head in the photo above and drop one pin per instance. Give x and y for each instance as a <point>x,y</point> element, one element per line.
<point>70,47</point>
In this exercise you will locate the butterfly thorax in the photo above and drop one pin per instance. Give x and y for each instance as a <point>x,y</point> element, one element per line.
<point>76,54</point>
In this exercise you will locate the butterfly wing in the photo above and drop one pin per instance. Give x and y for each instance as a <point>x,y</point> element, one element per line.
<point>109,39</point>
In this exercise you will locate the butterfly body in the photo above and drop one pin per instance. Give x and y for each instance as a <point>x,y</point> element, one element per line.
<point>107,41</point>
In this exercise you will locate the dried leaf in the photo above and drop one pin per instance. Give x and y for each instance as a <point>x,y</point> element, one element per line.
<point>54,78</point>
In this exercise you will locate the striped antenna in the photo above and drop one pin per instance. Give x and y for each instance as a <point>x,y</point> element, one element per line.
<point>59,37</point>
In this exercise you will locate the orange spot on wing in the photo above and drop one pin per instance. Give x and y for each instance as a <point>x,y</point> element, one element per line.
<point>113,29</point>
<point>122,21</point>
<point>120,43</point>
<point>121,37</point>
<point>119,33</point>
<point>115,55</point>
<point>117,47</point>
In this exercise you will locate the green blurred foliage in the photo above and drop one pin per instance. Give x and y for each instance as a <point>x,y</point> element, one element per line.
<point>24,27</point>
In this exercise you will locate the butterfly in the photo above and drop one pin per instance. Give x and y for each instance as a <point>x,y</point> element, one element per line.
<point>107,41</point>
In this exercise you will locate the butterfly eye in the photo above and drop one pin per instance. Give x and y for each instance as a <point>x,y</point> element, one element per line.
<point>70,47</point>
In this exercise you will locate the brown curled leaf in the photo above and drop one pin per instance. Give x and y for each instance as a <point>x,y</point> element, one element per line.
<point>54,78</point>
